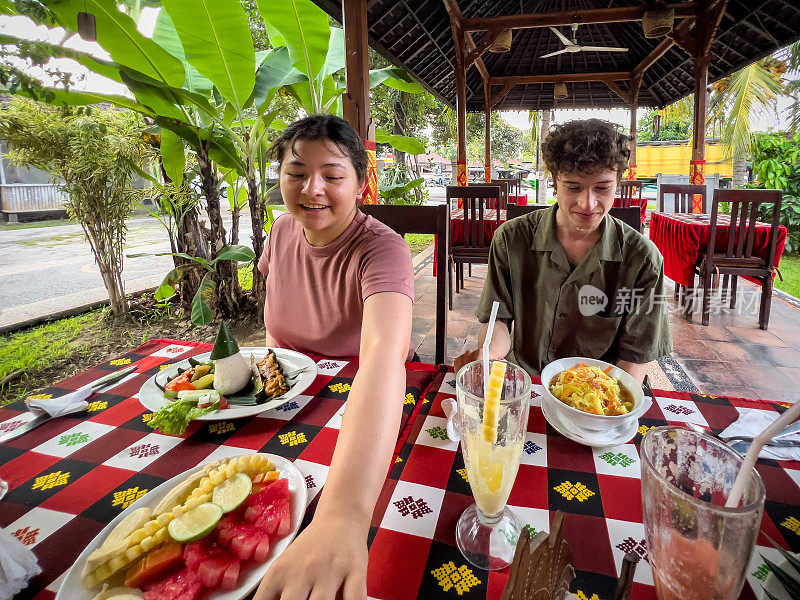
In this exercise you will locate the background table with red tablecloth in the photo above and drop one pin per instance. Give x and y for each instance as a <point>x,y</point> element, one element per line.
<point>640,202</point>
<point>490,225</point>
<point>71,476</point>
<point>681,236</point>
<point>413,551</point>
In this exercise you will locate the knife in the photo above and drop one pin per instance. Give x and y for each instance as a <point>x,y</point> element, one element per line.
<point>791,429</point>
<point>44,417</point>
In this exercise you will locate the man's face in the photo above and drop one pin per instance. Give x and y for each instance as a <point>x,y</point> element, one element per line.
<point>585,198</point>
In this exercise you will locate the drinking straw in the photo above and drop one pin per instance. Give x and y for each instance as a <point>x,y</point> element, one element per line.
<point>487,340</point>
<point>758,442</point>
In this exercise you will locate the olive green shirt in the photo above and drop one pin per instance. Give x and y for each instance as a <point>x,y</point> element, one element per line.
<point>555,312</point>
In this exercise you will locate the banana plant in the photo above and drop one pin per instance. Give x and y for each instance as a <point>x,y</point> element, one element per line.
<point>202,313</point>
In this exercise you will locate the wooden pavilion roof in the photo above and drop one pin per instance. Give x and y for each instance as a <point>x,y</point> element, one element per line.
<point>417,35</point>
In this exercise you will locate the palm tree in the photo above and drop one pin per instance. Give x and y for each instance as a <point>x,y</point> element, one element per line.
<point>754,87</point>
<point>541,195</point>
<point>791,56</point>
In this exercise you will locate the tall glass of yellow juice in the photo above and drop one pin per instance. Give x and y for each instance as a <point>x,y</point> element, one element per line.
<point>493,421</point>
<point>698,548</point>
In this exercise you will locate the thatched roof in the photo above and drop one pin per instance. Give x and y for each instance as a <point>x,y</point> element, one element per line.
<point>417,36</point>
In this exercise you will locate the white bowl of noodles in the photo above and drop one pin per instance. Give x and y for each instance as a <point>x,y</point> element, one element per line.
<point>621,394</point>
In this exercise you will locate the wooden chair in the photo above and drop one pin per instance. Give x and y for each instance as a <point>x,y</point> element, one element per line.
<point>423,219</point>
<point>683,194</point>
<point>630,216</point>
<point>505,186</point>
<point>737,258</point>
<point>475,247</point>
<point>629,189</point>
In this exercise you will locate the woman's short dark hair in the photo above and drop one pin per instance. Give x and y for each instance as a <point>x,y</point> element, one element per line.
<point>323,127</point>
<point>586,147</point>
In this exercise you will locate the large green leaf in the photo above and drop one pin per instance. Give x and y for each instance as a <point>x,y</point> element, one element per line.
<point>61,97</point>
<point>274,72</point>
<point>306,33</point>
<point>165,35</point>
<point>117,34</point>
<point>403,143</point>
<point>395,78</point>
<point>334,61</point>
<point>161,100</point>
<point>235,252</point>
<point>41,50</point>
<point>275,38</point>
<point>216,39</point>
<point>172,155</point>
<point>201,310</point>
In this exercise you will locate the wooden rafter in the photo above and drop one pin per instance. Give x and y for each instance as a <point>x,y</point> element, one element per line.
<point>614,87</point>
<point>495,98</point>
<point>486,41</point>
<point>582,17</point>
<point>654,55</point>
<point>559,78</point>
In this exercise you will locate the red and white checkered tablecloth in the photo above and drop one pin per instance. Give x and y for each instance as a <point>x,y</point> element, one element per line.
<point>413,551</point>
<point>73,475</point>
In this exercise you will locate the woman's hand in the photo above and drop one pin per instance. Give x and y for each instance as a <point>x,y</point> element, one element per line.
<point>327,561</point>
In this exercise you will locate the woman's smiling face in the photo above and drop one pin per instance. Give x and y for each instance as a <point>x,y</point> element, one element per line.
<point>320,188</point>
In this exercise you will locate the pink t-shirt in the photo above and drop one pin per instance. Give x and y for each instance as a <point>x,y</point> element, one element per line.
<point>315,295</point>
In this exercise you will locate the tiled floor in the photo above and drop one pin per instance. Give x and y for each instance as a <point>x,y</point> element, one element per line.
<point>731,356</point>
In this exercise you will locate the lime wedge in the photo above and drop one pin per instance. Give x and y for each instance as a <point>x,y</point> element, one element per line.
<point>196,523</point>
<point>230,494</point>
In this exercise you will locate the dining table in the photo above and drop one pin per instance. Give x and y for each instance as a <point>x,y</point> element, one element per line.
<point>71,476</point>
<point>681,237</point>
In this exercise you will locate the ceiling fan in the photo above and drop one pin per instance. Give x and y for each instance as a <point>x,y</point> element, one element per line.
<point>573,46</point>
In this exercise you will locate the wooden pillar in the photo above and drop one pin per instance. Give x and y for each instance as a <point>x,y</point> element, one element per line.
<point>697,166</point>
<point>461,107</point>
<point>487,134</point>
<point>634,104</point>
<point>355,102</point>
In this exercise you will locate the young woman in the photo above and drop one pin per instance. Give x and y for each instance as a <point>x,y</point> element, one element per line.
<point>339,283</point>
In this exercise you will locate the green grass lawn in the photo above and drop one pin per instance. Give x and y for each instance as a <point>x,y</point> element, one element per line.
<point>418,242</point>
<point>41,347</point>
<point>790,270</point>
<point>36,224</point>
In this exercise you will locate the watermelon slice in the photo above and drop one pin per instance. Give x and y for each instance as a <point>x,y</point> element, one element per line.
<point>269,509</point>
<point>212,562</point>
<point>183,585</point>
<point>240,536</point>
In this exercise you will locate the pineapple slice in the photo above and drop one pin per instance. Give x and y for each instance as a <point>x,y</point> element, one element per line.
<point>154,532</point>
<point>491,403</point>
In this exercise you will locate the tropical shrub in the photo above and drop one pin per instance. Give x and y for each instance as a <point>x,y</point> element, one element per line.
<point>93,155</point>
<point>776,162</point>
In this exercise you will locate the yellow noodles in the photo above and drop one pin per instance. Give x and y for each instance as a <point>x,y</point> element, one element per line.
<point>591,390</point>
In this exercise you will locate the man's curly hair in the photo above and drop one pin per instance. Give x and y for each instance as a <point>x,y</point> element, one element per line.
<point>586,147</point>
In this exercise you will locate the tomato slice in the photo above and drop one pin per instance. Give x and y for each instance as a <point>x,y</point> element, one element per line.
<point>181,382</point>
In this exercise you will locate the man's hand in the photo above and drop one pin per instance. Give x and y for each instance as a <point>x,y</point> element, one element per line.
<point>327,561</point>
<point>467,357</point>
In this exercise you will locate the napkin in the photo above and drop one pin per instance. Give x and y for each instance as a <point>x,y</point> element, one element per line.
<point>63,405</point>
<point>450,408</point>
<point>17,565</point>
<point>753,422</point>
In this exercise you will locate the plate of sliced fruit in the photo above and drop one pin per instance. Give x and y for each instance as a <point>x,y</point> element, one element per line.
<point>226,383</point>
<point>209,533</point>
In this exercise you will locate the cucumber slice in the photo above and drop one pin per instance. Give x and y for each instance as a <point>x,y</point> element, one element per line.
<point>195,524</point>
<point>232,492</point>
<point>197,395</point>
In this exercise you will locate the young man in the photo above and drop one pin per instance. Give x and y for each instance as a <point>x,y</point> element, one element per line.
<point>571,280</point>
